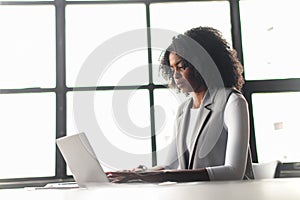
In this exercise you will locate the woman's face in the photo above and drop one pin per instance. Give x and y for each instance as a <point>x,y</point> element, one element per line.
<point>184,76</point>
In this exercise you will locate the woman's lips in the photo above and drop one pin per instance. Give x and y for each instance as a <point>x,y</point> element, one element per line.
<point>180,84</point>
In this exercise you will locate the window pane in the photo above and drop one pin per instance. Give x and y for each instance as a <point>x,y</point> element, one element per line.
<point>123,126</point>
<point>166,105</point>
<point>27,142</point>
<point>27,50</point>
<point>277,126</point>
<point>270,39</point>
<point>182,16</point>
<point>89,26</point>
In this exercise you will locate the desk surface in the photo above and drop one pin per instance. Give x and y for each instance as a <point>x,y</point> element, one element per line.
<point>272,189</point>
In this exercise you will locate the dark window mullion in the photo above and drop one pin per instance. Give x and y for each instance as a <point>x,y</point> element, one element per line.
<point>236,28</point>
<point>61,89</point>
<point>151,88</point>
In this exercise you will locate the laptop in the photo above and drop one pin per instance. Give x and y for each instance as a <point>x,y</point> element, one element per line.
<point>82,160</point>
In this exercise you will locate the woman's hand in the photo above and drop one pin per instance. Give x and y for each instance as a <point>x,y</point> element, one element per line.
<point>121,176</point>
<point>131,176</point>
<point>143,168</point>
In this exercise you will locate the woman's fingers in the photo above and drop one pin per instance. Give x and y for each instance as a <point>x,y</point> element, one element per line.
<point>125,176</point>
<point>121,177</point>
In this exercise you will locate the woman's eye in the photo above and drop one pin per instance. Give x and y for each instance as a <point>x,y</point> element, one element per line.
<point>178,68</point>
<point>183,67</point>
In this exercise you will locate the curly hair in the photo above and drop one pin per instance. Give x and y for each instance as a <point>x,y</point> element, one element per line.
<point>219,50</point>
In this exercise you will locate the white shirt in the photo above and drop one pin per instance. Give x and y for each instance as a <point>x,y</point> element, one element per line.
<point>190,136</point>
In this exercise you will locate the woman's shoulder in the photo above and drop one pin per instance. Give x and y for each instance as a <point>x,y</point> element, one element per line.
<point>236,100</point>
<point>236,96</point>
<point>227,95</point>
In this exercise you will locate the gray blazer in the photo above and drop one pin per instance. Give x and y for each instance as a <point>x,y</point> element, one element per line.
<point>210,139</point>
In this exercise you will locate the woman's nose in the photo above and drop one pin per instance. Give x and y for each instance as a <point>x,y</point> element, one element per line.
<point>176,74</point>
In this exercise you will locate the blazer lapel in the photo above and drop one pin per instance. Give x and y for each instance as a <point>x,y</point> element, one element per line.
<point>203,117</point>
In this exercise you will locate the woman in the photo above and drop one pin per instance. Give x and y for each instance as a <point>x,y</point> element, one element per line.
<point>212,125</point>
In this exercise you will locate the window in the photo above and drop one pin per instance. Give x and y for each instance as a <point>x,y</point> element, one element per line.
<point>27,142</point>
<point>270,39</point>
<point>179,17</point>
<point>89,26</point>
<point>122,128</point>
<point>276,126</point>
<point>27,48</point>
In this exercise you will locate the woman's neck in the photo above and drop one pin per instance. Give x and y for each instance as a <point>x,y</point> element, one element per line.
<point>198,97</point>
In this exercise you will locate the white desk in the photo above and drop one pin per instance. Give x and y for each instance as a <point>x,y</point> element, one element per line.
<point>275,189</point>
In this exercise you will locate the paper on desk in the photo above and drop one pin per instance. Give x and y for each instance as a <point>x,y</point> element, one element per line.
<point>62,185</point>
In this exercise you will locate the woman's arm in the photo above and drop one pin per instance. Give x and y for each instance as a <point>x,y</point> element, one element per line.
<point>236,118</point>
<point>160,176</point>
